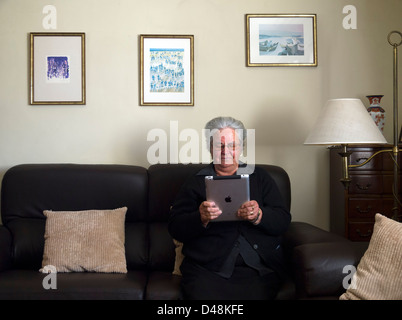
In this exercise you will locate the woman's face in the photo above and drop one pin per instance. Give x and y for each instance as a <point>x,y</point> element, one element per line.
<point>226,148</point>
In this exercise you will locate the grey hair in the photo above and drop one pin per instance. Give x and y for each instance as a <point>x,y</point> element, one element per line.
<point>219,123</point>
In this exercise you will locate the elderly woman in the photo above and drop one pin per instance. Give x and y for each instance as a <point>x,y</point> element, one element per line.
<point>230,260</point>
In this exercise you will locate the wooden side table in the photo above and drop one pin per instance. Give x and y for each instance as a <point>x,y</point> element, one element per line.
<point>370,191</point>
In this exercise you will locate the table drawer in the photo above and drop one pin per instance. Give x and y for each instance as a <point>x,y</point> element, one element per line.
<point>366,184</point>
<point>353,210</point>
<point>360,155</point>
<point>361,231</point>
<point>365,208</point>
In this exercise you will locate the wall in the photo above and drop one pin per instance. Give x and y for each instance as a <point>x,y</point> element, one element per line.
<point>281,103</point>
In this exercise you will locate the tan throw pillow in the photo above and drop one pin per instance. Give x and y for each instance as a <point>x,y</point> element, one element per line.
<point>80,241</point>
<point>379,273</point>
<point>179,257</point>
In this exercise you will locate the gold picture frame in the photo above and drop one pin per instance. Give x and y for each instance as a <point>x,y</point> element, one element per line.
<point>166,70</point>
<point>57,68</point>
<point>278,40</point>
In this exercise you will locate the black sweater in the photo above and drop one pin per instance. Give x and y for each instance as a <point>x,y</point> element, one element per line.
<point>209,246</point>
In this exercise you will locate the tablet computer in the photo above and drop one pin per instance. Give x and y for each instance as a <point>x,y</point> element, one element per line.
<point>228,193</point>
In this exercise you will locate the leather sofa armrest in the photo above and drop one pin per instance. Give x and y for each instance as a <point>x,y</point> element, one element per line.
<point>5,248</point>
<point>300,233</point>
<point>317,259</point>
<point>319,268</point>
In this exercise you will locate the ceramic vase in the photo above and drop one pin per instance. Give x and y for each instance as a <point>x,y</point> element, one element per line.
<point>376,112</point>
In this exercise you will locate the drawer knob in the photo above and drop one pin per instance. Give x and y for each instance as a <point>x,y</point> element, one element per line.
<point>361,159</point>
<point>364,235</point>
<point>362,187</point>
<point>363,211</point>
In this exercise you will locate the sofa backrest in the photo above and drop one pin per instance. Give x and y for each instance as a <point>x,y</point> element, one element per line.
<point>282,180</point>
<point>165,181</point>
<point>29,189</point>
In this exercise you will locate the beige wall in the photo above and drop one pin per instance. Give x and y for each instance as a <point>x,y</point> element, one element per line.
<point>280,103</point>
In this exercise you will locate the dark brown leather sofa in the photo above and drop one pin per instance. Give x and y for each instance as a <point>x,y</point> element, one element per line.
<point>316,258</point>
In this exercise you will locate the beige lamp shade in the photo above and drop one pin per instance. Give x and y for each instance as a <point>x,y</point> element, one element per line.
<point>345,121</point>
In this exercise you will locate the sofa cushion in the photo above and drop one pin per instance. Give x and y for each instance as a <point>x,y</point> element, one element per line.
<point>163,286</point>
<point>379,273</point>
<point>29,189</point>
<point>137,245</point>
<point>29,284</point>
<point>90,240</point>
<point>161,252</point>
<point>165,181</point>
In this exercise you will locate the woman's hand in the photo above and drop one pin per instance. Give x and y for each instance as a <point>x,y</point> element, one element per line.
<point>208,211</point>
<point>250,211</point>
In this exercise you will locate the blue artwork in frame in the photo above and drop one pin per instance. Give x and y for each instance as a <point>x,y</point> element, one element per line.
<point>281,39</point>
<point>166,70</point>
<point>58,69</point>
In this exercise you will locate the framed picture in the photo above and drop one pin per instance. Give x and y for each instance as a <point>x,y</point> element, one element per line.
<point>167,70</point>
<point>275,40</point>
<point>57,68</point>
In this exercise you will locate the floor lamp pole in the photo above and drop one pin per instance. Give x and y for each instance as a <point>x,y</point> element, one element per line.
<point>396,138</point>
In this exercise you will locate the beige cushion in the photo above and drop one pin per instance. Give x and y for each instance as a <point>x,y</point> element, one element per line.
<point>379,273</point>
<point>179,257</point>
<point>91,240</point>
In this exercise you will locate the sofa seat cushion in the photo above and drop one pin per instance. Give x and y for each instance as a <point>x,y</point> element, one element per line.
<point>287,290</point>
<point>28,284</point>
<point>163,285</point>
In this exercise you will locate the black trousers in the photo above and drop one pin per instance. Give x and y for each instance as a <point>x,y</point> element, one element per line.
<point>245,283</point>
